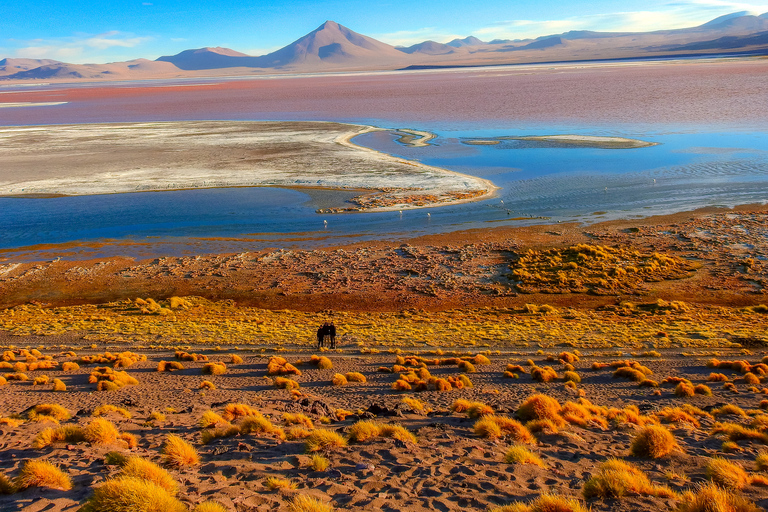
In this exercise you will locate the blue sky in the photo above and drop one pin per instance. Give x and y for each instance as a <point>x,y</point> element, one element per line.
<point>82,31</point>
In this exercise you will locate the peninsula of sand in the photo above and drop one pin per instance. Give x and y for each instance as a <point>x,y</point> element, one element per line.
<point>139,157</point>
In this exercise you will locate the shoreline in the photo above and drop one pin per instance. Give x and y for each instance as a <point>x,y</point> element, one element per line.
<point>309,162</point>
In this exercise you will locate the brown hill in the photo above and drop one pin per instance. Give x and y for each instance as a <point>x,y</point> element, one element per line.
<point>210,58</point>
<point>139,68</point>
<point>10,66</point>
<point>334,45</point>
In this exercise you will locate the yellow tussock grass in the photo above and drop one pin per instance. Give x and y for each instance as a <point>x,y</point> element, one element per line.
<point>319,463</point>
<point>285,383</point>
<point>6,485</point>
<point>545,503</point>
<point>324,440</point>
<point>111,409</point>
<point>129,440</point>
<point>616,478</point>
<point>653,441</point>
<point>210,506</point>
<point>364,430</point>
<point>398,432</point>
<point>478,409</point>
<point>101,431</point>
<point>339,380</point>
<point>298,419</point>
<point>355,377</point>
<point>178,452</point>
<point>41,473</point>
<point>214,369</point>
<point>540,407</point>
<point>712,498</point>
<point>129,494</point>
<point>211,419</point>
<point>71,434</point>
<point>295,433</point>
<point>236,359</point>
<point>519,454</point>
<point>237,410</point>
<point>761,461</point>
<point>206,384</point>
<point>726,474</point>
<point>137,467</point>
<point>273,482</point>
<point>304,503</point>
<point>50,410</point>
<point>58,385</point>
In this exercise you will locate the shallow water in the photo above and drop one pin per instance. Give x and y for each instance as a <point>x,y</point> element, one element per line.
<point>688,169</point>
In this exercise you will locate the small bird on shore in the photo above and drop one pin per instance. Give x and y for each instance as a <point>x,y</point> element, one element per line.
<point>325,223</point>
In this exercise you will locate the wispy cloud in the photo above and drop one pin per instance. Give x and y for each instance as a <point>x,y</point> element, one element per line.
<point>680,14</point>
<point>410,37</point>
<point>79,48</point>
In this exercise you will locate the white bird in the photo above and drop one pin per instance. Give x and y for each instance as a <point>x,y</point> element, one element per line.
<point>502,202</point>
<point>429,215</point>
<point>325,223</point>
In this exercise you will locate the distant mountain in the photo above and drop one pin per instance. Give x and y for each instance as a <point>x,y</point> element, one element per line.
<point>429,48</point>
<point>726,17</point>
<point>210,58</point>
<point>333,47</point>
<point>335,44</point>
<point>11,66</point>
<point>722,43</point>
<point>541,44</point>
<point>467,41</point>
<point>139,68</point>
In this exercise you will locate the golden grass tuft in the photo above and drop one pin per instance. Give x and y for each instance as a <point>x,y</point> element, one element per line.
<point>235,359</point>
<point>101,431</point>
<point>761,461</point>
<point>297,432</point>
<point>298,419</point>
<point>519,454</point>
<point>144,469</point>
<point>273,483</point>
<point>478,409</point>
<point>684,390</point>
<point>49,410</point>
<point>129,494</point>
<point>712,498</point>
<point>324,440</point>
<point>238,410</point>
<point>364,430</point>
<point>286,383</point>
<point>726,474</point>
<point>616,478</point>
<point>214,369</point>
<point>210,506</point>
<point>178,452</point>
<point>66,434</point>
<point>304,503</point>
<point>540,407</point>
<point>341,380</point>
<point>111,409</point>
<point>355,377</point>
<point>6,485</point>
<point>653,441</point>
<point>544,503</point>
<point>206,384</point>
<point>41,473</point>
<point>729,410</point>
<point>319,463</point>
<point>399,432</point>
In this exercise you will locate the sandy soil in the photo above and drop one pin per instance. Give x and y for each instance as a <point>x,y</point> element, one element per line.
<point>115,158</point>
<point>449,467</point>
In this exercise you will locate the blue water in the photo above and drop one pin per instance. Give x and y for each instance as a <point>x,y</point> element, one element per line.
<point>690,168</point>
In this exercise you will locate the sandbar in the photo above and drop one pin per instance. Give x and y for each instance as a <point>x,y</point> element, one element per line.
<point>141,157</point>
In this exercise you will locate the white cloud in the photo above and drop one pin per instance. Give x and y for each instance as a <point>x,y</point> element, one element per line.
<point>685,13</point>
<point>80,48</point>
<point>411,37</point>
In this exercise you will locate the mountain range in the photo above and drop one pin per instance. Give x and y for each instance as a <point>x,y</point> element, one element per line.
<point>333,47</point>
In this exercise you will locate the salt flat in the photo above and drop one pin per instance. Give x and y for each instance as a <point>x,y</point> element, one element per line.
<point>132,157</point>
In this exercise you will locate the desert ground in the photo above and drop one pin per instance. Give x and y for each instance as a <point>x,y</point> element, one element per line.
<point>473,371</point>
